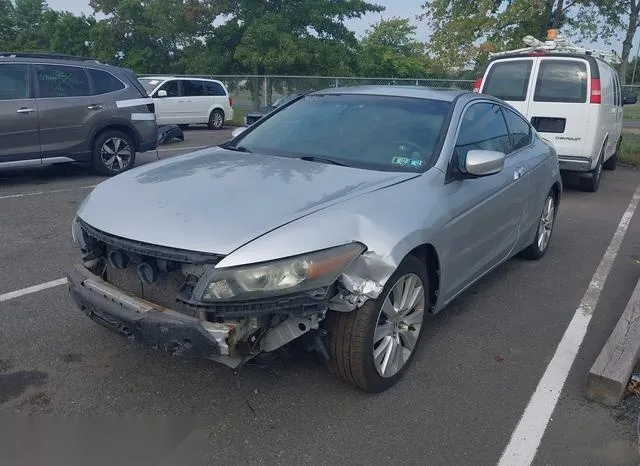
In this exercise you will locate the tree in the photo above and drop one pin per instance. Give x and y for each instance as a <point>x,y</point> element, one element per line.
<point>390,49</point>
<point>465,32</point>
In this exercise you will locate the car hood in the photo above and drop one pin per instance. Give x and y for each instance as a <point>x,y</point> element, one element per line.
<point>216,200</point>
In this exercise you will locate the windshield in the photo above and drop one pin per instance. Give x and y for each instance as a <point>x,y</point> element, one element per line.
<point>365,131</point>
<point>149,84</point>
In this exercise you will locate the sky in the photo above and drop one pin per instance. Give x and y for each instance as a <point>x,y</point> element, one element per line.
<point>399,8</point>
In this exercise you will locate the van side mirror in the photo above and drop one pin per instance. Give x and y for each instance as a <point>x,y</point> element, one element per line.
<point>162,93</point>
<point>630,99</point>
<point>479,163</point>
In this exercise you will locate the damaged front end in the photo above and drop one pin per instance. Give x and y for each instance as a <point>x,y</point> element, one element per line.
<point>181,302</point>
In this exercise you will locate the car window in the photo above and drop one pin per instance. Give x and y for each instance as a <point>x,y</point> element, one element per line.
<point>104,82</point>
<point>561,81</point>
<point>213,88</point>
<point>61,81</point>
<point>508,80</point>
<point>171,87</point>
<point>14,82</point>
<point>482,128</point>
<point>367,131</point>
<point>192,88</point>
<point>519,129</point>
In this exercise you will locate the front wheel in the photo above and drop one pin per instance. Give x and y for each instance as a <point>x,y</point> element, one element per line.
<point>371,347</point>
<point>546,222</point>
<point>113,152</point>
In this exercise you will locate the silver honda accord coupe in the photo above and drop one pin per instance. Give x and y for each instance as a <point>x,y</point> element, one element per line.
<point>342,220</point>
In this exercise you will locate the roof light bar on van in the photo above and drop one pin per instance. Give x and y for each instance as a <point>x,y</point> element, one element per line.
<point>596,94</point>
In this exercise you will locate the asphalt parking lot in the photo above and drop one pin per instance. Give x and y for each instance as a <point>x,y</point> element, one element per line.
<point>479,364</point>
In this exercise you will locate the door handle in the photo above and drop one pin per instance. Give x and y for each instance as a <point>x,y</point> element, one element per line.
<point>25,110</point>
<point>518,173</point>
<point>95,107</point>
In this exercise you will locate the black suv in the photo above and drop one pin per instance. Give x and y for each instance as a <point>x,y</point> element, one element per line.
<point>59,108</point>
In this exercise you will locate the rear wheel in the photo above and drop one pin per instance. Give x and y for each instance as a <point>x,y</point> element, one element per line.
<point>216,119</point>
<point>113,152</point>
<point>612,162</point>
<point>371,347</point>
<point>591,182</point>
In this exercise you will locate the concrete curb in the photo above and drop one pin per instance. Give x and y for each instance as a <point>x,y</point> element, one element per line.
<point>608,378</point>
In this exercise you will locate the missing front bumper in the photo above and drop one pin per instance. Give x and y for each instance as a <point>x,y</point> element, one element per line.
<point>151,325</point>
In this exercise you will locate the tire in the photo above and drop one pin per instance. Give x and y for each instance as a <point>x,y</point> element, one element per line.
<point>540,243</point>
<point>591,182</point>
<point>183,127</point>
<point>103,149</point>
<point>612,162</point>
<point>351,334</point>
<point>216,119</point>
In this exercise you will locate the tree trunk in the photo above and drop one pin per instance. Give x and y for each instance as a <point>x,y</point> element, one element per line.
<point>628,40</point>
<point>556,22</point>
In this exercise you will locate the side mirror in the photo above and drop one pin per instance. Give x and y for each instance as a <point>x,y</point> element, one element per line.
<point>238,131</point>
<point>483,163</point>
<point>162,93</point>
<point>630,99</point>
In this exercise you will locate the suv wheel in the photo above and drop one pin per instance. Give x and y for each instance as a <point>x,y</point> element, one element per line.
<point>216,119</point>
<point>371,347</point>
<point>113,153</point>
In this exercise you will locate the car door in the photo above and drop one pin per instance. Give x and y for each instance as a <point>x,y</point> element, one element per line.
<point>62,93</point>
<point>19,132</point>
<point>194,101</point>
<point>168,108</point>
<point>483,213</point>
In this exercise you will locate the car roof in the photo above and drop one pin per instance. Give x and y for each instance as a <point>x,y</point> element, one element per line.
<point>163,77</point>
<point>6,58</point>
<point>420,92</point>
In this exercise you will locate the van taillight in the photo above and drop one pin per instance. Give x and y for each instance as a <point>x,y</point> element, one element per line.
<point>596,95</point>
<point>477,85</point>
<point>230,102</point>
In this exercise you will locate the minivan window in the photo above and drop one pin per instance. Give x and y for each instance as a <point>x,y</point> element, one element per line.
<point>561,81</point>
<point>213,88</point>
<point>192,88</point>
<point>171,87</point>
<point>482,128</point>
<point>14,82</point>
<point>519,129</point>
<point>62,81</point>
<point>104,82</point>
<point>508,80</point>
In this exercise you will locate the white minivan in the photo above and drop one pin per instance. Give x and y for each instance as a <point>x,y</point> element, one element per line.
<point>572,96</point>
<point>184,101</point>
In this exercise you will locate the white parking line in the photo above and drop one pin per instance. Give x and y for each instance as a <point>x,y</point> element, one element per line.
<point>527,436</point>
<point>32,289</point>
<point>40,193</point>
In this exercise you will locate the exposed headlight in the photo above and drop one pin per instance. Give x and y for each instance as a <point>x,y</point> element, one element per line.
<point>283,276</point>
<point>77,234</point>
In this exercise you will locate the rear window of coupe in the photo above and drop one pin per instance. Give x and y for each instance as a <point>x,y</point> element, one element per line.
<point>508,80</point>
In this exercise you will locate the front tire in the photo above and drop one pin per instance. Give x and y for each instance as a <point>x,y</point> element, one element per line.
<point>113,152</point>
<point>372,347</point>
<point>540,243</point>
<point>216,119</point>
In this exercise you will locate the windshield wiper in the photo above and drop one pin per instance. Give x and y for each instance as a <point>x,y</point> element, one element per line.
<point>237,148</point>
<point>314,158</point>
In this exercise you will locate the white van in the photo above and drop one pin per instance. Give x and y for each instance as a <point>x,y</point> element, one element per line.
<point>572,96</point>
<point>184,101</point>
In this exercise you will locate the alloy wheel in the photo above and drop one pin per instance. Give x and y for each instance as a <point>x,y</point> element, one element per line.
<point>546,223</point>
<point>116,153</point>
<point>398,325</point>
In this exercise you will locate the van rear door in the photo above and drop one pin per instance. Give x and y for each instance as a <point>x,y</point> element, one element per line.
<point>509,80</point>
<point>559,107</point>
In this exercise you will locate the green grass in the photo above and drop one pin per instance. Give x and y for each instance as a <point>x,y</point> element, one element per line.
<point>632,112</point>
<point>630,150</point>
<point>238,117</point>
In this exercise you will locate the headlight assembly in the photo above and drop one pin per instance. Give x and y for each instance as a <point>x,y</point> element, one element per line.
<point>77,235</point>
<point>283,276</point>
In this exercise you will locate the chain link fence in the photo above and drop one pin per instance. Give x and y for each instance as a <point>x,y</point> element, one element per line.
<point>251,93</point>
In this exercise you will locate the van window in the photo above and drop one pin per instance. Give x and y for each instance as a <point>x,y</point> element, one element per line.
<point>519,129</point>
<point>213,88</point>
<point>171,87</point>
<point>192,88</point>
<point>508,80</point>
<point>482,128</point>
<point>561,81</point>
<point>104,82</point>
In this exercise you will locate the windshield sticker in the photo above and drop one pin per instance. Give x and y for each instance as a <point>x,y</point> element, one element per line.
<point>406,162</point>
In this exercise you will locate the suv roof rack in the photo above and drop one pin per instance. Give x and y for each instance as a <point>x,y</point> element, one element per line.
<point>53,56</point>
<point>558,44</point>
